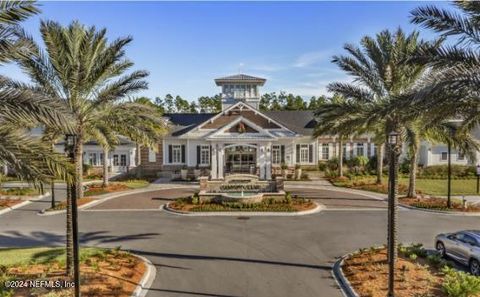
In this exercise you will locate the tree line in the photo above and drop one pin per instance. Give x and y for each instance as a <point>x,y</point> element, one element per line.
<point>213,104</point>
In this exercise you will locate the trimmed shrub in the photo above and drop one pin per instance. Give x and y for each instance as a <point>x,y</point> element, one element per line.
<point>460,284</point>
<point>441,171</point>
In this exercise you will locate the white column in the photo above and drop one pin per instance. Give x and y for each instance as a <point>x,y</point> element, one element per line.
<point>213,171</point>
<point>220,164</point>
<point>365,149</point>
<point>354,149</point>
<point>372,149</point>
<point>268,162</point>
<point>132,159</point>
<point>261,162</point>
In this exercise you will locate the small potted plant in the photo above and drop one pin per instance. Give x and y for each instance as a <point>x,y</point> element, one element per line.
<point>197,171</point>
<point>298,171</point>
<point>184,173</point>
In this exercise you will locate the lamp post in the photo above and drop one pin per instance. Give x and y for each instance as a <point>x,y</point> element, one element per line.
<point>70,143</point>
<point>393,142</point>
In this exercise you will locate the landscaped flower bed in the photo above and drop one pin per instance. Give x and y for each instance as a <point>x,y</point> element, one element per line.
<point>98,189</point>
<point>104,272</point>
<point>63,204</point>
<point>7,202</point>
<point>434,203</point>
<point>19,192</point>
<point>417,274</point>
<point>288,204</point>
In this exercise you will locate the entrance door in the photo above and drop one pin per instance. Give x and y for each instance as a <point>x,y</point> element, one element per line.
<point>241,159</point>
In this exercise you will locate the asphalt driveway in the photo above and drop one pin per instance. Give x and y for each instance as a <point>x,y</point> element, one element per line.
<point>228,256</point>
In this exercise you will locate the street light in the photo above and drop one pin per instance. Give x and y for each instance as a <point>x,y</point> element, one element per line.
<point>70,143</point>
<point>393,142</point>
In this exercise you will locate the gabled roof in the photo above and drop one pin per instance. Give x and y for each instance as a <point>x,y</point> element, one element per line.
<point>299,121</point>
<point>223,133</point>
<point>240,78</point>
<point>181,123</point>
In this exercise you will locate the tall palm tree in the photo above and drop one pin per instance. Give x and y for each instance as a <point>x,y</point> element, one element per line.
<point>381,77</point>
<point>30,158</point>
<point>82,71</point>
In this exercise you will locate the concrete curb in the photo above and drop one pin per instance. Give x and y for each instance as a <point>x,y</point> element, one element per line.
<point>319,207</point>
<point>442,212</point>
<point>147,280</point>
<point>106,197</point>
<point>24,203</point>
<point>342,282</point>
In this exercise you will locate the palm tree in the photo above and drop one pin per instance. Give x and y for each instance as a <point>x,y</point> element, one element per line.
<point>82,71</point>
<point>140,122</point>
<point>380,75</point>
<point>21,106</point>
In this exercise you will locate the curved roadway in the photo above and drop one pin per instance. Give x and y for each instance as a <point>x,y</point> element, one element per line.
<point>233,256</point>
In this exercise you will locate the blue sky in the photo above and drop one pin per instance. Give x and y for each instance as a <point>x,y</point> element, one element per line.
<point>185,45</point>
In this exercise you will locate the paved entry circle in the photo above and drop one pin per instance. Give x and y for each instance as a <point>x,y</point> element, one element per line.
<point>148,200</point>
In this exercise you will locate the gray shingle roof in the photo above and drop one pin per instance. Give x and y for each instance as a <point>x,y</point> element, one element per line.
<point>242,78</point>
<point>299,121</point>
<point>184,122</point>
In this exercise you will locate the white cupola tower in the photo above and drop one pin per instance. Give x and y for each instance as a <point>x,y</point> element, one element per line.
<point>240,87</point>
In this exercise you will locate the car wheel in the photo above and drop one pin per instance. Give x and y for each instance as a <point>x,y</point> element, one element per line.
<point>441,249</point>
<point>475,267</point>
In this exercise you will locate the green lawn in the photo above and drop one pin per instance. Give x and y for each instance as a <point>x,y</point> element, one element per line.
<point>135,183</point>
<point>42,255</point>
<point>439,186</point>
<point>436,187</point>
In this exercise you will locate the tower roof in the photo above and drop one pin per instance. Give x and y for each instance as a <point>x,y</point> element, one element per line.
<point>240,78</point>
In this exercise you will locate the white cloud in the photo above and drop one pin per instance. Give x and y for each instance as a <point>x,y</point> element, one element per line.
<point>311,58</point>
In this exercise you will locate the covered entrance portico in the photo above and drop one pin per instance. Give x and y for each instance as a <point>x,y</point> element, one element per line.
<point>249,158</point>
<point>241,159</point>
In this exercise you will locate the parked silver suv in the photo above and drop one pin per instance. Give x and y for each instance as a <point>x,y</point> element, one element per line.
<point>462,246</point>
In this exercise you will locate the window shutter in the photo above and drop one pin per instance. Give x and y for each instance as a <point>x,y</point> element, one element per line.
<point>298,154</point>
<point>198,154</point>
<point>170,155</point>
<point>310,153</point>
<point>183,153</point>
<point>282,154</point>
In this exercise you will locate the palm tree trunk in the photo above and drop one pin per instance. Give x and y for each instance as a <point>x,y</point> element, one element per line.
<point>139,160</point>
<point>69,247</point>
<point>380,151</point>
<point>340,158</point>
<point>105,168</point>
<point>78,178</point>
<point>412,193</point>
<point>52,189</point>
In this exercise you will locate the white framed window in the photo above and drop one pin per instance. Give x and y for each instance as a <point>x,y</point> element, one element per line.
<point>176,154</point>
<point>92,159</point>
<point>325,151</point>
<point>460,156</point>
<point>115,160</point>
<point>344,151</point>
<point>444,156</point>
<point>204,155</point>
<point>276,154</point>
<point>152,156</point>
<point>304,153</point>
<point>101,158</point>
<point>360,150</point>
<point>123,160</point>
